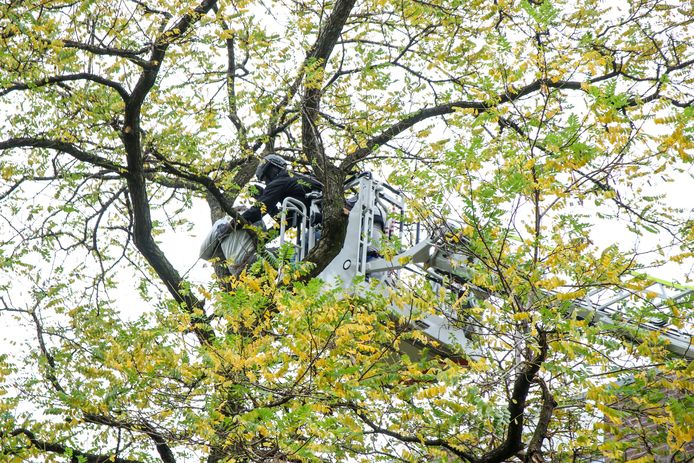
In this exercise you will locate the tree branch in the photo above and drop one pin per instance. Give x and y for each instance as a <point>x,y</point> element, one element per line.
<point>334,221</point>
<point>601,185</point>
<point>65,147</point>
<point>157,437</point>
<point>226,203</point>
<point>131,137</point>
<point>51,367</point>
<point>233,114</point>
<point>413,439</point>
<point>316,60</point>
<point>481,106</point>
<point>77,456</point>
<point>131,55</point>
<point>68,78</point>
<point>516,406</point>
<point>548,405</point>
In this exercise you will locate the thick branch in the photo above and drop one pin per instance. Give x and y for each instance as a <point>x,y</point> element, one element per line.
<point>406,123</point>
<point>149,75</point>
<point>69,78</point>
<point>131,136</point>
<point>142,236</point>
<point>131,55</point>
<point>160,444</point>
<point>62,146</point>
<point>327,38</point>
<point>334,222</point>
<point>516,407</point>
<point>226,203</point>
<point>548,405</point>
<point>481,106</point>
<point>316,60</point>
<point>77,456</point>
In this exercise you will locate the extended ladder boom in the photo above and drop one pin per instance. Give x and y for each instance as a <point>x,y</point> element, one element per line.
<point>612,308</point>
<point>660,296</point>
<point>600,306</point>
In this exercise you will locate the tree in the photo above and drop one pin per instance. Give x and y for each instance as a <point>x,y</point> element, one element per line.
<point>530,122</point>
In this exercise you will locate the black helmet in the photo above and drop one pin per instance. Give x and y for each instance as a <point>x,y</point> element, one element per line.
<point>264,169</point>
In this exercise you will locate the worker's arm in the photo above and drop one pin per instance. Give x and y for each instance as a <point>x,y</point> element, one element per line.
<point>274,193</point>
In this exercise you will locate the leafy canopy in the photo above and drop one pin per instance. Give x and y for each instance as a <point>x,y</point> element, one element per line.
<point>534,125</point>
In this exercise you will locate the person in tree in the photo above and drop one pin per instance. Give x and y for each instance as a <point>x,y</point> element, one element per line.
<point>237,243</point>
<point>279,185</point>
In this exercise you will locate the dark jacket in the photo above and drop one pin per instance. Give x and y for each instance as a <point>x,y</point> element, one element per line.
<point>277,190</point>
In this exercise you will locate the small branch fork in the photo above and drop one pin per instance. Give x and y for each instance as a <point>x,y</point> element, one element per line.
<point>513,442</point>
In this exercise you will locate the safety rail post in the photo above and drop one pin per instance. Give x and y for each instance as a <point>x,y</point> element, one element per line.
<point>383,196</point>
<point>314,208</point>
<point>296,206</point>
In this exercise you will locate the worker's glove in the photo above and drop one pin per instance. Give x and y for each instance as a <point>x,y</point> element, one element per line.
<point>224,228</point>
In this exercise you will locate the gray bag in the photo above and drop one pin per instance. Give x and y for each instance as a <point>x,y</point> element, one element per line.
<point>237,245</point>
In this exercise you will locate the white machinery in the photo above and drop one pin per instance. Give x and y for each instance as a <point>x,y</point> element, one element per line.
<point>428,257</point>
